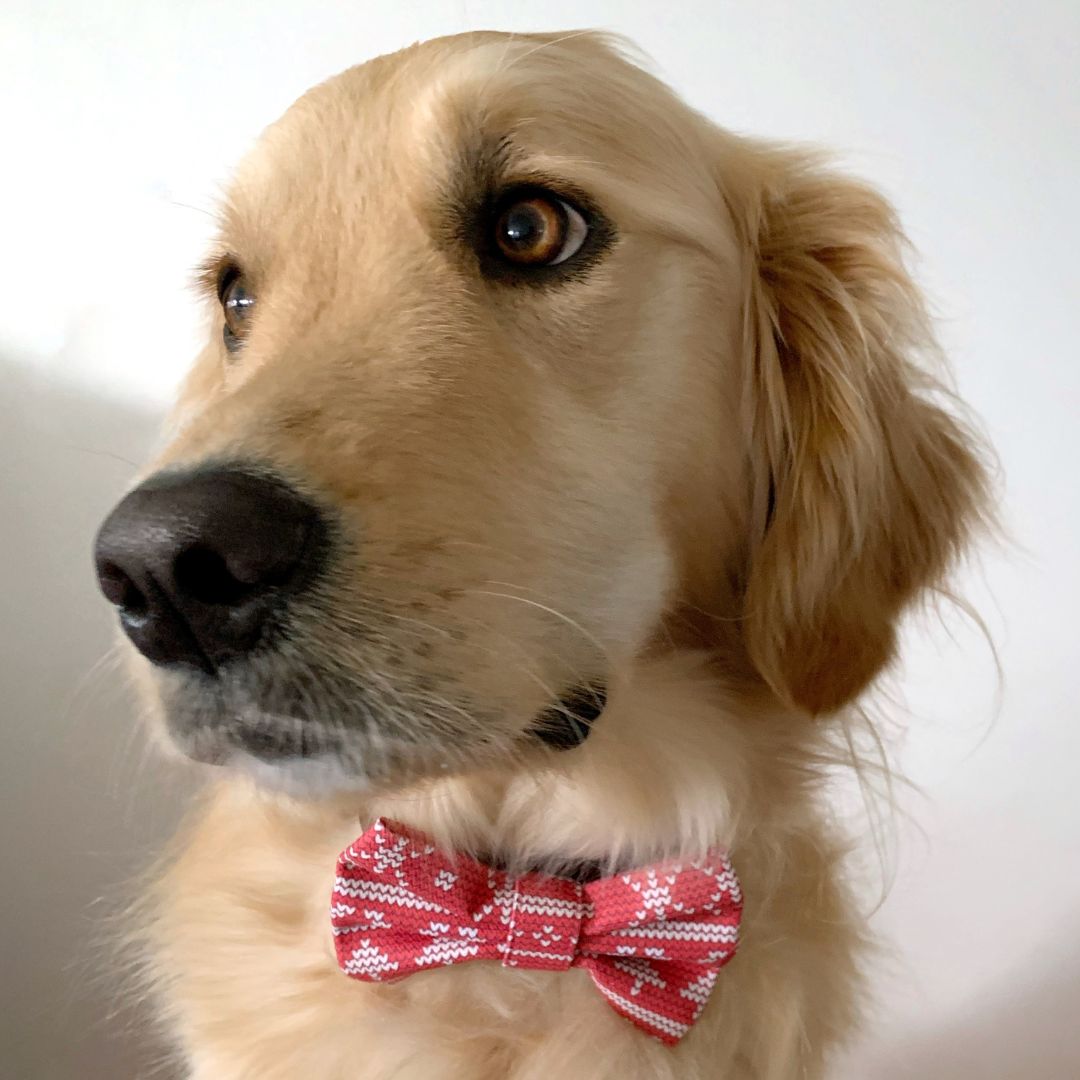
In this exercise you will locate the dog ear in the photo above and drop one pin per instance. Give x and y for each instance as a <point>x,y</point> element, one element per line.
<point>864,487</point>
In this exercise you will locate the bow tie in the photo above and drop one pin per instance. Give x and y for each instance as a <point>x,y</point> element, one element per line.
<point>653,939</point>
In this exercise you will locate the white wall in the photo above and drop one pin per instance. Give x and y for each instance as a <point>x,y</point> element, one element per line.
<point>119,119</point>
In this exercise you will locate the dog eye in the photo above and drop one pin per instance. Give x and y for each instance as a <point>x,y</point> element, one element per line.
<point>537,228</point>
<point>237,303</point>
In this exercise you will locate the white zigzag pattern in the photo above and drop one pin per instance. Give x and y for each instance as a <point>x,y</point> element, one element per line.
<point>698,991</point>
<point>655,1020</point>
<point>435,929</point>
<point>512,952</point>
<point>337,910</point>
<point>726,882</point>
<point>369,961</point>
<point>655,894</point>
<point>717,955</point>
<point>682,932</point>
<point>386,894</point>
<point>543,905</point>
<point>446,952</point>
<point>642,971</point>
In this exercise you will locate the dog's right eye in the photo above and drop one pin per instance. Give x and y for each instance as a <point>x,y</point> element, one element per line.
<point>533,227</point>
<point>237,304</point>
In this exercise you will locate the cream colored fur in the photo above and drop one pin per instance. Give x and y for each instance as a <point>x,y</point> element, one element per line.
<point>712,470</point>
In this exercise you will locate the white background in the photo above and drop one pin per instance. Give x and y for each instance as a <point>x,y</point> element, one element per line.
<point>117,123</point>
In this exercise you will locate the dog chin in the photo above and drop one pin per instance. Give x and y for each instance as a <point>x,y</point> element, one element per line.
<point>301,758</point>
<point>302,777</point>
<point>289,757</point>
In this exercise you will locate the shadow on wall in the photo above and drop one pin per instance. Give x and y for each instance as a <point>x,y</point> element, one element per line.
<point>85,807</point>
<point>1025,1028</point>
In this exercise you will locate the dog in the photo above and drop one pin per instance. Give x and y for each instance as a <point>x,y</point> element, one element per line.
<point>551,485</point>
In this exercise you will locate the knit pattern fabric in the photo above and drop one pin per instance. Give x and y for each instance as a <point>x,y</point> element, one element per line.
<point>653,939</point>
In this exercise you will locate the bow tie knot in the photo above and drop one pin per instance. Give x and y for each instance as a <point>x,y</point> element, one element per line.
<point>653,939</point>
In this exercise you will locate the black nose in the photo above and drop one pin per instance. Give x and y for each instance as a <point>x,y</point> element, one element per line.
<point>198,562</point>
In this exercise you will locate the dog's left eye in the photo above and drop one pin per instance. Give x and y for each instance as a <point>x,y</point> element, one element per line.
<point>237,304</point>
<point>533,227</point>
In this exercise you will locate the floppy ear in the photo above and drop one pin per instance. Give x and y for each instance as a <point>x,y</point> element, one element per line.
<point>865,488</point>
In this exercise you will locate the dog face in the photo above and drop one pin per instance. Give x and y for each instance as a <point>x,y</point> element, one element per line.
<point>512,358</point>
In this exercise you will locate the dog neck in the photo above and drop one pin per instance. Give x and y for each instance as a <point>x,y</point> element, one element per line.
<point>676,764</point>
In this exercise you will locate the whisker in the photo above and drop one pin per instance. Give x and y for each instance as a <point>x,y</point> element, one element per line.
<point>590,637</point>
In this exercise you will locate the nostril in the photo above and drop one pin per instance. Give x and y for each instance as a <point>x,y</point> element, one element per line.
<point>202,565</point>
<point>120,590</point>
<point>202,574</point>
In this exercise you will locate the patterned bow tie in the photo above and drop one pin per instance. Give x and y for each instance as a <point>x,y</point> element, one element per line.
<point>653,939</point>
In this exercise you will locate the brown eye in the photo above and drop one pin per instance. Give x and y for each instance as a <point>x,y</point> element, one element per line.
<point>237,303</point>
<point>538,229</point>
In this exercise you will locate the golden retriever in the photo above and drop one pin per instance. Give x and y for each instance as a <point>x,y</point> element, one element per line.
<point>553,480</point>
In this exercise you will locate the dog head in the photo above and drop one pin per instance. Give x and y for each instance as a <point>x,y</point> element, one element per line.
<point>518,369</point>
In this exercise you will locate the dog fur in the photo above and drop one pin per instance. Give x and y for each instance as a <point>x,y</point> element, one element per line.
<point>712,469</point>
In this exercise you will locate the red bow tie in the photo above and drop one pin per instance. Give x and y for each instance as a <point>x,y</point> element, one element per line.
<point>653,939</point>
